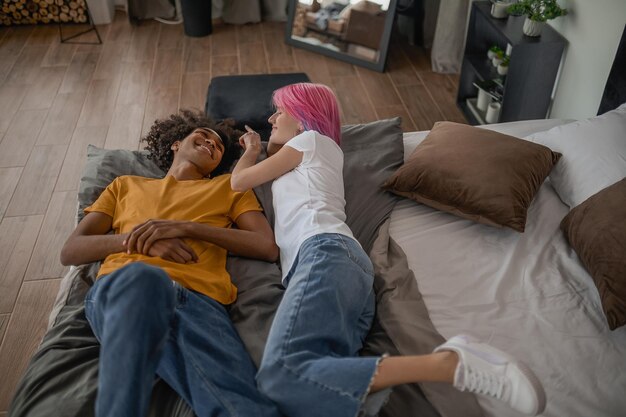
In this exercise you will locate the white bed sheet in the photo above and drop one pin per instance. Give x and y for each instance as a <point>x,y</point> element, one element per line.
<point>527,294</point>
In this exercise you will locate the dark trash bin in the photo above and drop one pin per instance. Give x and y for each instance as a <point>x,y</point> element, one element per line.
<point>197,17</point>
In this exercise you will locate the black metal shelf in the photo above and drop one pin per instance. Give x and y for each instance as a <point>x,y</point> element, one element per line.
<point>532,71</point>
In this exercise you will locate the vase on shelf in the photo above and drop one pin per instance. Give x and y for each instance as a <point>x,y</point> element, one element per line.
<point>532,27</point>
<point>493,112</point>
<point>498,8</point>
<point>483,100</point>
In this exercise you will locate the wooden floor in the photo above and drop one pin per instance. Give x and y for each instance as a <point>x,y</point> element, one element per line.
<point>57,98</point>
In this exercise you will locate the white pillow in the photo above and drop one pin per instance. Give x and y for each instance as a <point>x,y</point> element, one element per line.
<point>594,155</point>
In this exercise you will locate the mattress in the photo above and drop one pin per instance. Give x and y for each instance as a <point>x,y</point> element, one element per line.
<point>526,293</point>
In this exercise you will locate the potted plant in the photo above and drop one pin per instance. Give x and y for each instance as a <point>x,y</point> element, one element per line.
<point>498,58</point>
<point>498,8</point>
<point>537,12</point>
<point>493,51</point>
<point>503,67</point>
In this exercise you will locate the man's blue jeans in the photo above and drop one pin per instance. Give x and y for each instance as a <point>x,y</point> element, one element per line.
<point>149,325</point>
<point>310,366</point>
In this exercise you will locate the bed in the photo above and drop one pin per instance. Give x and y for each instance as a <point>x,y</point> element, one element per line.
<point>437,274</point>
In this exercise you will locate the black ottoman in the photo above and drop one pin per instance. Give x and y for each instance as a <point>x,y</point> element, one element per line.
<point>247,98</point>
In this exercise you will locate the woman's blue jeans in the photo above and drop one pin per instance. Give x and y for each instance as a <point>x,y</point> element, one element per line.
<point>149,325</point>
<point>311,367</point>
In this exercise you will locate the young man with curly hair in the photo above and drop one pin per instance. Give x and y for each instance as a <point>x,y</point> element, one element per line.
<point>158,305</point>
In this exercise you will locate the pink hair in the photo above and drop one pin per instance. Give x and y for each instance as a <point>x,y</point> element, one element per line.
<point>313,105</point>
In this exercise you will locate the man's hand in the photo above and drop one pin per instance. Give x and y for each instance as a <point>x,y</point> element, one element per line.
<point>145,235</point>
<point>174,250</point>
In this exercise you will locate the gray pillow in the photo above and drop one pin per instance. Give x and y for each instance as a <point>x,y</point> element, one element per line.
<point>372,152</point>
<point>104,165</point>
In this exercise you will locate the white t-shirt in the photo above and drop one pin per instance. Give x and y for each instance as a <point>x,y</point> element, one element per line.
<point>309,200</point>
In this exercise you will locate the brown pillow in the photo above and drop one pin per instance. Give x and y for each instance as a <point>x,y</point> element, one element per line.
<point>596,230</point>
<point>475,173</point>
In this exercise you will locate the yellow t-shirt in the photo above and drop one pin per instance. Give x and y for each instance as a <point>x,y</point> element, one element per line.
<point>131,200</point>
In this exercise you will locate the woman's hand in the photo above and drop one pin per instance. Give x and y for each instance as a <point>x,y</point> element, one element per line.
<point>250,141</point>
<point>144,235</point>
<point>174,250</point>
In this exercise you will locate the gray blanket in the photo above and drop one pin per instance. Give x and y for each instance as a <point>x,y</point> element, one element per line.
<point>61,377</point>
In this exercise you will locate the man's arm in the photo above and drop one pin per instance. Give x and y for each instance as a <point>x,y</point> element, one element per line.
<point>253,237</point>
<point>90,242</point>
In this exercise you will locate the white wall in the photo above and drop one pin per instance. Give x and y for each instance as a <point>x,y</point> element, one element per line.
<point>593,30</point>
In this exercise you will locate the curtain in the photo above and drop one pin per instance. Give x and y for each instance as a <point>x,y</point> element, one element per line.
<point>447,52</point>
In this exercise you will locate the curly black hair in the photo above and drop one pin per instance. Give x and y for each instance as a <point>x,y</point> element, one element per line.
<point>164,132</point>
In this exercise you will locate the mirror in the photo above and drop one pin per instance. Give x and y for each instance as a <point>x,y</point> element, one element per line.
<point>355,31</point>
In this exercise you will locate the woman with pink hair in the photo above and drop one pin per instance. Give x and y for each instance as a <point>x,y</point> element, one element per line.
<point>311,366</point>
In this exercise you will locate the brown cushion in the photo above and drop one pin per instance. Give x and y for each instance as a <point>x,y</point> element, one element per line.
<point>475,173</point>
<point>596,230</point>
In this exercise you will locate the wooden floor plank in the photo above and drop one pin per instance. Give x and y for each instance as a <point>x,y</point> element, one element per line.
<point>43,35</point>
<point>59,54</point>
<point>15,39</point>
<point>172,37</point>
<point>110,62</point>
<point>100,103</point>
<point>36,184</point>
<point>24,333</point>
<point>143,43</point>
<point>356,108</point>
<point>11,46</point>
<point>279,54</point>
<point>76,155</point>
<point>224,65</point>
<point>418,57</point>
<point>126,123</point>
<point>443,92</point>
<point>4,320</point>
<point>399,67</point>
<point>79,72</point>
<point>338,68</point>
<point>421,107</point>
<point>11,97</point>
<point>313,65</point>
<point>388,112</point>
<point>42,92</point>
<point>8,181</point>
<point>19,237</point>
<point>57,225</point>
<point>224,40</point>
<point>120,30</point>
<point>380,87</point>
<point>252,58</point>
<point>161,103</point>
<point>62,118</point>
<point>21,137</point>
<point>26,69</point>
<point>193,91</point>
<point>249,33</point>
<point>167,68</point>
<point>197,55</point>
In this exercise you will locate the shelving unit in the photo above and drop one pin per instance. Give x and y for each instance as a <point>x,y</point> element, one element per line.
<point>534,64</point>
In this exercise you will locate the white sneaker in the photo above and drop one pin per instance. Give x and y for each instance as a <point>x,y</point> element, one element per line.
<point>485,370</point>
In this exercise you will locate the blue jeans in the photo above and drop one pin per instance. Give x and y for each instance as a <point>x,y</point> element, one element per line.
<point>311,366</point>
<point>149,325</point>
